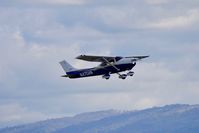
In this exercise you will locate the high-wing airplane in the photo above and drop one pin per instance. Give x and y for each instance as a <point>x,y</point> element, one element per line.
<point>108,65</point>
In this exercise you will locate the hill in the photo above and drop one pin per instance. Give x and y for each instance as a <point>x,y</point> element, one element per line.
<point>168,119</point>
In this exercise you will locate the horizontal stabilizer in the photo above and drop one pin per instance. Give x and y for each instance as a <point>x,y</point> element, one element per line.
<point>64,76</point>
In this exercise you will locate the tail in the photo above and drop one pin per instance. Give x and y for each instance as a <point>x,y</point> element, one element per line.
<point>66,66</point>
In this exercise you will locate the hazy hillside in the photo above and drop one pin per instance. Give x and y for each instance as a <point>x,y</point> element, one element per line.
<point>52,125</point>
<point>167,119</point>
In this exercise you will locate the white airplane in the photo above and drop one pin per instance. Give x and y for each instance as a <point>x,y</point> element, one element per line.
<point>108,65</point>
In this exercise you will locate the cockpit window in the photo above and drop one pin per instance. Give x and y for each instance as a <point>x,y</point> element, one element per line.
<point>118,58</point>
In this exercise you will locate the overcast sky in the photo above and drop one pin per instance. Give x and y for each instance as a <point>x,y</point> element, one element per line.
<point>36,34</point>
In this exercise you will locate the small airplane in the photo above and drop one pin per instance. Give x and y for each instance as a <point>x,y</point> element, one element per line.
<point>108,65</point>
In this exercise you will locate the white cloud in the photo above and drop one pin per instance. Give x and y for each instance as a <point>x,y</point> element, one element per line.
<point>12,113</point>
<point>45,2</point>
<point>84,102</point>
<point>149,17</point>
<point>146,103</point>
<point>123,17</point>
<point>183,21</point>
<point>157,2</point>
<point>66,2</point>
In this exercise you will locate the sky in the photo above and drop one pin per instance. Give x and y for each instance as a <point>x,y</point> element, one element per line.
<point>36,34</point>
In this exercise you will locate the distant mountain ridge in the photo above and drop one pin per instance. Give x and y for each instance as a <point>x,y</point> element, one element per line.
<point>49,126</point>
<point>178,118</point>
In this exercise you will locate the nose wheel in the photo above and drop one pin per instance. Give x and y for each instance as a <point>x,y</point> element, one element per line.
<point>106,76</point>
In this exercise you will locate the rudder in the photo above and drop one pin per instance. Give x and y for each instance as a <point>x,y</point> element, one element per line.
<point>66,66</point>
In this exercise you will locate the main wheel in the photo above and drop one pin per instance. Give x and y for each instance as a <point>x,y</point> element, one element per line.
<point>130,73</point>
<point>123,76</point>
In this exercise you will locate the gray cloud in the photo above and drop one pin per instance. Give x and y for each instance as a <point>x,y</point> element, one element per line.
<point>39,3</point>
<point>13,113</point>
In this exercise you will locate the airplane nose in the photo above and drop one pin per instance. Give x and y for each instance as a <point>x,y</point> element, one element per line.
<point>133,61</point>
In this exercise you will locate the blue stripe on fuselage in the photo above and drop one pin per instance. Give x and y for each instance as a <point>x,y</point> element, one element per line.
<point>99,71</point>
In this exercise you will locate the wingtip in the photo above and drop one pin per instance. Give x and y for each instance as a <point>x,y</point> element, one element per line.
<point>80,56</point>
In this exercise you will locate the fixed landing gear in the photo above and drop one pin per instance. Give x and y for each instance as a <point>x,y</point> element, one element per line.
<point>106,76</point>
<point>123,76</point>
<point>130,73</point>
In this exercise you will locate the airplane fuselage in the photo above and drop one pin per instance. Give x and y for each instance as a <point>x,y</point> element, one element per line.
<point>122,65</point>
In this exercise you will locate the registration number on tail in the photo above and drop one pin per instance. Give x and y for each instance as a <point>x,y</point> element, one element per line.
<point>86,73</point>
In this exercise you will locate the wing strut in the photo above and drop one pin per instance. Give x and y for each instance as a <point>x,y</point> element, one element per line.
<point>112,65</point>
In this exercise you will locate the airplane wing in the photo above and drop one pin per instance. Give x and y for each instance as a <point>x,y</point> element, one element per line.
<point>97,58</point>
<point>104,59</point>
<point>138,57</point>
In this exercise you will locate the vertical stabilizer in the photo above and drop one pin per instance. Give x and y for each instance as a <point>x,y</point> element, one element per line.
<point>66,66</point>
